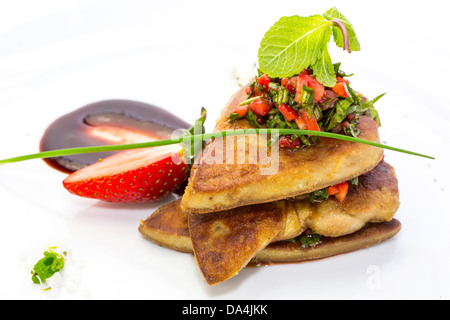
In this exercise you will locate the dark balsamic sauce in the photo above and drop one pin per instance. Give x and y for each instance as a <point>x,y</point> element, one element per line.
<point>73,130</point>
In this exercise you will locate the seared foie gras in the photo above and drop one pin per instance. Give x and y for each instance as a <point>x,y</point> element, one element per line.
<point>232,173</point>
<point>225,242</point>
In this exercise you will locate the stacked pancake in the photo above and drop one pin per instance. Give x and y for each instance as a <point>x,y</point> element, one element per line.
<point>239,211</point>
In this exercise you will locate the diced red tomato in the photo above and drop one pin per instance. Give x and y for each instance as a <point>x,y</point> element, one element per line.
<point>288,112</point>
<point>287,142</point>
<point>301,124</point>
<point>339,191</point>
<point>264,81</point>
<point>343,190</point>
<point>311,123</point>
<point>340,79</point>
<point>248,90</point>
<point>351,116</point>
<point>297,97</point>
<point>293,81</point>
<point>291,85</point>
<point>307,80</point>
<point>332,190</point>
<point>241,110</point>
<point>340,89</point>
<point>345,124</point>
<point>318,88</point>
<point>260,107</point>
<point>305,71</point>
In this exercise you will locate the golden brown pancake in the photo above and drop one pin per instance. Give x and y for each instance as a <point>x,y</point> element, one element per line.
<point>252,177</point>
<point>225,242</point>
<point>168,227</point>
<point>292,251</point>
<point>281,251</point>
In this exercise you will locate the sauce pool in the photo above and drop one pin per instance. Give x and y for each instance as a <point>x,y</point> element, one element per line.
<point>106,122</point>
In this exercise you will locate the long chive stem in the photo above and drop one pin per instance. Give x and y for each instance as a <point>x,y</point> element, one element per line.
<point>203,137</point>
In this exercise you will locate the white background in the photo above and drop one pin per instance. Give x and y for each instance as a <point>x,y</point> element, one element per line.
<point>57,56</point>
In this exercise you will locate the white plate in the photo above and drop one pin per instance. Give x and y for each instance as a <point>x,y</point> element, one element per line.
<point>58,56</point>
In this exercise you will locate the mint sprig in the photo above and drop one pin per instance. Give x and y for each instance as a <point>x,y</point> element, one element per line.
<point>295,43</point>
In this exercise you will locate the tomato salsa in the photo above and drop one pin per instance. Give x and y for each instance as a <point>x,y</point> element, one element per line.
<point>302,102</point>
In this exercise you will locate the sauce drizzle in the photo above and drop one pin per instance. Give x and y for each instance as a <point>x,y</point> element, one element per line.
<point>106,122</point>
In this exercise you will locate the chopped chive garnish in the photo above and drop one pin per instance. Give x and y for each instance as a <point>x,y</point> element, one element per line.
<point>249,100</point>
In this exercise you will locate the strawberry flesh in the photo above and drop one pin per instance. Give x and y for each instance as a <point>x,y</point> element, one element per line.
<point>131,176</point>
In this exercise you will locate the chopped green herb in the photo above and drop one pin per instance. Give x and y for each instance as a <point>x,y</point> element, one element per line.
<point>234,116</point>
<point>307,98</point>
<point>319,195</point>
<point>351,129</point>
<point>46,267</point>
<point>372,112</point>
<point>251,116</point>
<point>305,140</point>
<point>191,150</point>
<point>310,240</point>
<point>340,73</point>
<point>339,113</point>
<point>248,101</point>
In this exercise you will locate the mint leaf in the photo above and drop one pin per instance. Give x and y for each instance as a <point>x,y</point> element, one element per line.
<point>46,267</point>
<point>293,44</point>
<point>323,69</point>
<point>334,14</point>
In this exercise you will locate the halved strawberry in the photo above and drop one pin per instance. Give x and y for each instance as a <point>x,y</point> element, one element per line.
<point>138,175</point>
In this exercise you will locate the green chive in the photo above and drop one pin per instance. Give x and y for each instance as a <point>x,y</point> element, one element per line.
<point>285,98</point>
<point>203,137</point>
<point>249,100</point>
